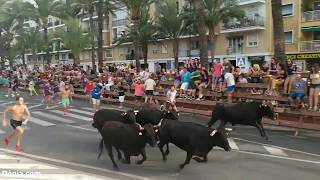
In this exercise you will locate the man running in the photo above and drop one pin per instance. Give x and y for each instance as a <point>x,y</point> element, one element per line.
<point>65,101</point>
<point>18,115</point>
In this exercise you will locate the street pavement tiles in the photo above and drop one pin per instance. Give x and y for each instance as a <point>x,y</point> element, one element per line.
<point>72,115</point>
<point>23,168</point>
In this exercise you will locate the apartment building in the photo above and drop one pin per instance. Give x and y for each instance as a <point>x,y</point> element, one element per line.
<point>245,42</point>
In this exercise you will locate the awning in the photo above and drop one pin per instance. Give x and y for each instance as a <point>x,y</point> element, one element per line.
<point>314,28</point>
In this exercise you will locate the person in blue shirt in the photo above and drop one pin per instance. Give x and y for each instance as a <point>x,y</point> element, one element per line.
<point>96,96</point>
<point>186,75</point>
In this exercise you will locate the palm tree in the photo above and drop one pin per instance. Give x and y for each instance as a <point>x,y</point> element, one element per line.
<point>171,24</point>
<point>41,11</point>
<point>217,11</point>
<point>30,40</point>
<point>202,31</point>
<point>104,7</point>
<point>278,32</point>
<point>73,38</point>
<point>88,7</point>
<point>134,7</point>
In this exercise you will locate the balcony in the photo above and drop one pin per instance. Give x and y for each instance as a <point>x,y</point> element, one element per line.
<point>311,18</point>
<point>234,50</point>
<point>246,24</point>
<point>246,2</point>
<point>310,46</point>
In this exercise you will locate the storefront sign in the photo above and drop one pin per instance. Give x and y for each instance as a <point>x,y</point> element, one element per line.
<point>303,56</point>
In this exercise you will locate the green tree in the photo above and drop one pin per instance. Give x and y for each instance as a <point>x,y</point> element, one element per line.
<point>171,23</point>
<point>30,40</point>
<point>202,31</point>
<point>217,11</point>
<point>278,31</point>
<point>87,7</point>
<point>41,10</point>
<point>134,7</point>
<point>73,38</point>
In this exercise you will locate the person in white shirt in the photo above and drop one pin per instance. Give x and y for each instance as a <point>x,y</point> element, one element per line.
<point>230,82</point>
<point>149,86</point>
<point>171,98</point>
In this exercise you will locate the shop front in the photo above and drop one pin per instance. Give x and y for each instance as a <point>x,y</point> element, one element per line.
<point>305,61</point>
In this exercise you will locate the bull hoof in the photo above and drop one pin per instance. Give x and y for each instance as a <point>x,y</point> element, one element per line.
<point>167,152</point>
<point>164,158</point>
<point>115,167</point>
<point>181,166</point>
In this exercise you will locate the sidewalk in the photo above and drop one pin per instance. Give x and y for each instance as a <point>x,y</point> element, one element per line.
<point>16,166</point>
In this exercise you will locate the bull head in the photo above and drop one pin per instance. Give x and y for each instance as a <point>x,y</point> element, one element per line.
<point>156,127</point>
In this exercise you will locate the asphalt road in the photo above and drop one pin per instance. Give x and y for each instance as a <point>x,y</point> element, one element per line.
<point>70,142</point>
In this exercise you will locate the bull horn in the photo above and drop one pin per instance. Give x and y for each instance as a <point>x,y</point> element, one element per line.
<point>136,111</point>
<point>123,114</point>
<point>158,125</point>
<point>213,132</point>
<point>162,108</point>
<point>140,127</point>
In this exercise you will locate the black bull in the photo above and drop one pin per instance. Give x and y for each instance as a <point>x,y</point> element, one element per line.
<point>195,139</point>
<point>243,113</point>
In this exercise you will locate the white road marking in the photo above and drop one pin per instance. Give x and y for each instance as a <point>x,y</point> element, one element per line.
<point>82,112</point>
<point>25,166</point>
<point>86,129</point>
<point>52,107</point>
<point>275,151</point>
<point>77,165</point>
<point>232,144</point>
<point>72,115</point>
<point>280,157</point>
<point>41,122</point>
<point>41,176</point>
<point>90,109</point>
<point>6,103</point>
<point>5,157</point>
<point>283,148</point>
<point>2,132</point>
<point>53,117</point>
<point>34,106</point>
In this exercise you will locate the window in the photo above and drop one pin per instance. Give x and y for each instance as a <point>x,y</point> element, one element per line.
<point>63,56</point>
<point>287,10</point>
<point>109,53</point>
<point>288,37</point>
<point>252,40</point>
<point>164,49</point>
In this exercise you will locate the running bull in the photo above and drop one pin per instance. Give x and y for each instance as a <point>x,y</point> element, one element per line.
<point>128,138</point>
<point>249,113</point>
<point>195,139</point>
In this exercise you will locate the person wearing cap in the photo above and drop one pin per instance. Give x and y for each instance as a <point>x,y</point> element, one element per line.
<point>298,91</point>
<point>96,96</point>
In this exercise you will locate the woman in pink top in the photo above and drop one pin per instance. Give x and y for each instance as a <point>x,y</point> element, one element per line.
<point>216,75</point>
<point>138,90</point>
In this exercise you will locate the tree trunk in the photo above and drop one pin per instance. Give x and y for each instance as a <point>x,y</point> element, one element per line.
<point>278,31</point>
<point>100,33</point>
<point>91,30</point>
<point>135,37</point>
<point>145,55</point>
<point>46,41</point>
<point>76,59</point>
<point>201,27</point>
<point>23,59</point>
<point>212,40</point>
<point>176,53</point>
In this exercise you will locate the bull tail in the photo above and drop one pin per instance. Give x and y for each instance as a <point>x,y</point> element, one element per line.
<point>100,149</point>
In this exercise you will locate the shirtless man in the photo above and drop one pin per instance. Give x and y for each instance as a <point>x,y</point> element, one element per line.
<point>65,101</point>
<point>18,115</point>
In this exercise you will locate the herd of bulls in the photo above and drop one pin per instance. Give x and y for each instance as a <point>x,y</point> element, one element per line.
<point>129,132</point>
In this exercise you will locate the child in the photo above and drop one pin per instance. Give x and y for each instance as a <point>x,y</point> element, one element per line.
<point>171,98</point>
<point>121,94</point>
<point>31,88</point>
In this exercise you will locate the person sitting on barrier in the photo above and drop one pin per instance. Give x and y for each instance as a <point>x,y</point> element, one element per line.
<point>299,87</point>
<point>314,88</point>
<point>171,98</point>
<point>290,76</point>
<point>185,82</point>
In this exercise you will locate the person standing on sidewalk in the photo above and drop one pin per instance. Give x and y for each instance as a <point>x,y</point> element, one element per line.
<point>18,116</point>
<point>47,94</point>
<point>88,88</point>
<point>32,89</point>
<point>96,96</point>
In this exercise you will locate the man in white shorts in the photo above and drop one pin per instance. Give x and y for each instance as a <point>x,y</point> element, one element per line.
<point>185,81</point>
<point>96,96</point>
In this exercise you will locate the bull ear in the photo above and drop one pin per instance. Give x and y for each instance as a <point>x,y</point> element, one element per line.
<point>213,132</point>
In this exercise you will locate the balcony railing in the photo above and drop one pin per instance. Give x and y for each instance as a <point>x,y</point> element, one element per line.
<point>250,1</point>
<point>310,46</point>
<point>234,50</point>
<point>245,23</point>
<point>310,16</point>
<point>119,22</point>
